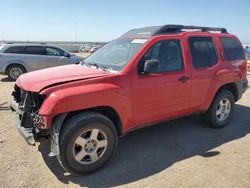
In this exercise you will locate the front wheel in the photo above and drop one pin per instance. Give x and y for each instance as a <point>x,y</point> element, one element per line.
<point>221,109</point>
<point>87,141</point>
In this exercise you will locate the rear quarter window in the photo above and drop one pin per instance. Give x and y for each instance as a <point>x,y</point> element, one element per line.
<point>232,48</point>
<point>15,50</point>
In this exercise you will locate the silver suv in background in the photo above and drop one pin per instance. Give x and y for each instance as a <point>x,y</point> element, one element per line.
<point>16,59</point>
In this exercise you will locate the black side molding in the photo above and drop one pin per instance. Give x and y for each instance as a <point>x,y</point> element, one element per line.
<point>241,87</point>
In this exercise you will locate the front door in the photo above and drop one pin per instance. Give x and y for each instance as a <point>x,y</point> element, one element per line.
<point>56,57</point>
<point>165,94</point>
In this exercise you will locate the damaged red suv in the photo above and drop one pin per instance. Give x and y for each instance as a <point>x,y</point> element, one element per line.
<point>148,75</point>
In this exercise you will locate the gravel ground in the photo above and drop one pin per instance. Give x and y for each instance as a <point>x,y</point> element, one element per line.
<point>180,153</point>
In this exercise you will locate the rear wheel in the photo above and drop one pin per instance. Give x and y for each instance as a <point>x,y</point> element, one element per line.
<point>14,71</point>
<point>221,109</point>
<point>87,141</point>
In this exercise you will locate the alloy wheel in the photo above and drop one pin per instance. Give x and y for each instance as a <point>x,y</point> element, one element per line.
<point>90,146</point>
<point>223,109</point>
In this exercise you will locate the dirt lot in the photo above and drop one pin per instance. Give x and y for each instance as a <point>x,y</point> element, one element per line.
<point>180,153</point>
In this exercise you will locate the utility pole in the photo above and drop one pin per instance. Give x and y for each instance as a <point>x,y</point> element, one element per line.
<point>75,33</point>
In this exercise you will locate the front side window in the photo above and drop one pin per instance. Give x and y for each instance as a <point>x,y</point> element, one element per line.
<point>168,53</point>
<point>15,50</point>
<point>35,50</point>
<point>232,48</point>
<point>202,51</point>
<point>116,54</point>
<point>53,51</point>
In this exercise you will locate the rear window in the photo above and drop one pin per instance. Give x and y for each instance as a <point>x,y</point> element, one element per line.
<point>35,50</point>
<point>232,48</point>
<point>15,50</point>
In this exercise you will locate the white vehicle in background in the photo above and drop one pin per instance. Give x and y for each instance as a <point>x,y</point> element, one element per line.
<point>16,59</point>
<point>93,49</point>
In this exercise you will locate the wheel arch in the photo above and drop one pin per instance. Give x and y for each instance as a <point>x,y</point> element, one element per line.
<point>59,120</point>
<point>232,87</point>
<point>107,111</point>
<point>15,63</point>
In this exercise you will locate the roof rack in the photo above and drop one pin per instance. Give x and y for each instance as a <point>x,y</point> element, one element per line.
<point>169,29</point>
<point>173,29</point>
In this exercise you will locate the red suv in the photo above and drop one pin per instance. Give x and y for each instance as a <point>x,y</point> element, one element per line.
<point>146,76</point>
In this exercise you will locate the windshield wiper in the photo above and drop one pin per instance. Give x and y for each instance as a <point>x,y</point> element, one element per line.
<point>82,63</point>
<point>98,66</point>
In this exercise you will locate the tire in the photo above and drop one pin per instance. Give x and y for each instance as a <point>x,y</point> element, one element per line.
<point>14,71</point>
<point>78,151</point>
<point>216,117</point>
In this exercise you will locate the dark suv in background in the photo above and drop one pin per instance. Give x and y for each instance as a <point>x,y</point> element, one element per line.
<point>16,59</point>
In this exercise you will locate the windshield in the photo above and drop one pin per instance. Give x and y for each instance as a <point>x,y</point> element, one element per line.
<point>116,54</point>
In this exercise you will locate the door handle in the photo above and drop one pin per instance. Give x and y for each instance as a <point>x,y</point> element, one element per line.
<point>183,79</point>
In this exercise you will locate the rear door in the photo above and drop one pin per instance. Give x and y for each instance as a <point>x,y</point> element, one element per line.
<point>205,63</point>
<point>56,57</point>
<point>11,55</point>
<point>34,57</point>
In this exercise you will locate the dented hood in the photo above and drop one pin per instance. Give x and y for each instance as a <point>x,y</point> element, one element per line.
<point>37,80</point>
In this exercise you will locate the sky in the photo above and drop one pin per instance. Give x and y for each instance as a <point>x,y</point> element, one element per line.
<point>104,20</point>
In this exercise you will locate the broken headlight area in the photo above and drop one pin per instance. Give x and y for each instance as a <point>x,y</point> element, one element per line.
<point>27,105</point>
<point>27,101</point>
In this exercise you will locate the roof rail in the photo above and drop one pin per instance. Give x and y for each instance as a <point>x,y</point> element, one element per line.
<point>26,43</point>
<point>173,29</point>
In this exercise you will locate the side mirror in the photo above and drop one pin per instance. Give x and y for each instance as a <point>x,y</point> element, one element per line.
<point>151,66</point>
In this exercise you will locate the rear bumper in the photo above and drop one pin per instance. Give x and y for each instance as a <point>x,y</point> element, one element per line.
<point>248,64</point>
<point>2,69</point>
<point>245,85</point>
<point>241,87</point>
<point>26,132</point>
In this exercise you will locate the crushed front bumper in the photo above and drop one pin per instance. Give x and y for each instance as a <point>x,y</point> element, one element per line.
<point>26,131</point>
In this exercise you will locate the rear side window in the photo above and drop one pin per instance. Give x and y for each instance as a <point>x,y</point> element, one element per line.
<point>35,50</point>
<point>202,51</point>
<point>15,50</point>
<point>232,48</point>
